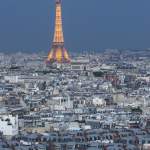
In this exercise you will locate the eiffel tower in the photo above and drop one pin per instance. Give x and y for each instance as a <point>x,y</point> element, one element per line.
<point>58,53</point>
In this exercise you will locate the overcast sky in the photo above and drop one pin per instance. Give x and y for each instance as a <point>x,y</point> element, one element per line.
<point>27,25</point>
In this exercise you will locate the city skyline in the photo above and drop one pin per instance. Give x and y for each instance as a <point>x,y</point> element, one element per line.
<point>101,25</point>
<point>74,75</point>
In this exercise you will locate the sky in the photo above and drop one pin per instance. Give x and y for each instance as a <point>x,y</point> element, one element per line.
<point>27,25</point>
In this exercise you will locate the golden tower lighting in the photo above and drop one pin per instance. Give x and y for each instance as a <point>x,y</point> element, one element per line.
<point>58,53</point>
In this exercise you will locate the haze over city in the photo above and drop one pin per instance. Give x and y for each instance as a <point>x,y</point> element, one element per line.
<point>27,25</point>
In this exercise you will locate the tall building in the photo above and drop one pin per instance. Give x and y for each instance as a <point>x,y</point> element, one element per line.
<point>58,53</point>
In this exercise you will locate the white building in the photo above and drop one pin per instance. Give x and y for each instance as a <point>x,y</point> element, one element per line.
<point>81,64</point>
<point>62,102</point>
<point>98,101</point>
<point>11,79</point>
<point>74,126</point>
<point>9,125</point>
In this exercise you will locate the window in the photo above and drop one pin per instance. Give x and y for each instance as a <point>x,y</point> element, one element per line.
<point>143,141</point>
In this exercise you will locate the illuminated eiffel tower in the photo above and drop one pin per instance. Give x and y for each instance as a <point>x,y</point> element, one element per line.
<point>58,53</point>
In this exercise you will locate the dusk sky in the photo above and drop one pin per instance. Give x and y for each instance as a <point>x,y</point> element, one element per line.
<point>27,25</point>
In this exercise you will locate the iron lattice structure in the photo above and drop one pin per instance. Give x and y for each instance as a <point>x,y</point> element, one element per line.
<point>58,53</point>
